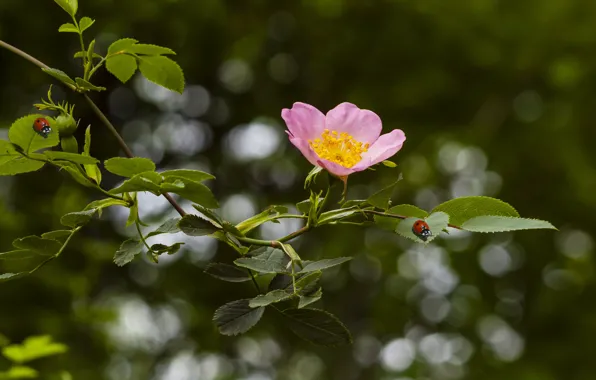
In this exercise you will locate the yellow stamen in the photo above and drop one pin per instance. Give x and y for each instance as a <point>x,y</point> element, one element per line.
<point>340,148</point>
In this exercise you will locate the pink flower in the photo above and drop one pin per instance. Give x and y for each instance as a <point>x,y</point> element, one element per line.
<point>345,141</point>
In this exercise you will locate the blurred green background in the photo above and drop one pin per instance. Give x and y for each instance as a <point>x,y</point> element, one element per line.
<point>495,97</point>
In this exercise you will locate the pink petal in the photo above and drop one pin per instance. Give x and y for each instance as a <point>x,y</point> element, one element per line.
<point>385,146</point>
<point>334,168</point>
<point>304,121</point>
<point>364,125</point>
<point>305,149</point>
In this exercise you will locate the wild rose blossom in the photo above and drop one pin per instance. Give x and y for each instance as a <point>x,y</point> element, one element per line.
<point>346,140</point>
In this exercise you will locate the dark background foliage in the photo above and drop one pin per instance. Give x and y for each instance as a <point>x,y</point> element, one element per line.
<point>495,98</point>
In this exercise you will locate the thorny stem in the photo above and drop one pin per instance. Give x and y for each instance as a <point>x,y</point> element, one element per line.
<point>99,114</point>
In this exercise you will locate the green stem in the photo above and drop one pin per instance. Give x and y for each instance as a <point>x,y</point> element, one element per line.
<point>273,243</point>
<point>97,111</point>
<point>57,253</point>
<point>141,233</point>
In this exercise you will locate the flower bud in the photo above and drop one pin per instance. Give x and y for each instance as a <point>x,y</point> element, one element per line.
<point>66,125</point>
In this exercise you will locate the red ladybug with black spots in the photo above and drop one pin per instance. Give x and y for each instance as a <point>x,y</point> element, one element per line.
<point>421,229</point>
<point>42,127</point>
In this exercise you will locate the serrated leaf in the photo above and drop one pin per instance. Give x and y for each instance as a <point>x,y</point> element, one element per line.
<point>194,225</point>
<point>127,252</point>
<point>306,300</point>
<point>60,75</point>
<point>69,6</point>
<point>68,28</point>
<point>318,327</point>
<point>269,260</point>
<point>148,181</point>
<point>22,134</point>
<point>209,214</point>
<point>85,85</point>
<point>186,174</point>
<point>324,264</point>
<point>147,49</point>
<point>437,222</point>
<point>129,167</point>
<point>19,372</point>
<point>162,71</point>
<point>382,198</point>
<point>170,226</point>
<point>85,23</point>
<point>122,66</point>
<point>465,208</point>
<point>227,272</point>
<point>76,219</point>
<point>269,298</point>
<point>254,221</point>
<point>37,244</point>
<point>33,348</point>
<point>406,210</point>
<point>19,165</point>
<point>121,45</point>
<point>504,223</point>
<point>71,157</point>
<point>59,235</point>
<point>193,191</point>
<point>237,317</point>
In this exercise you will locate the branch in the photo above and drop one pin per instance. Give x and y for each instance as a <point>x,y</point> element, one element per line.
<point>99,114</point>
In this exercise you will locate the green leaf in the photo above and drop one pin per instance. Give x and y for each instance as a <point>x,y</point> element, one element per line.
<point>303,283</point>
<point>406,210</point>
<point>85,85</point>
<point>121,45</point>
<point>129,167</point>
<point>19,372</point>
<point>71,157</point>
<point>309,299</point>
<point>237,317</point>
<point>162,71</point>
<point>122,66</point>
<point>465,208</point>
<point>209,214</point>
<point>169,249</point>
<point>59,235</point>
<point>269,298</point>
<point>389,164</point>
<point>91,50</point>
<point>33,348</point>
<point>82,54</point>
<point>12,276</point>
<point>69,6</point>
<point>336,215</point>
<point>69,144</point>
<point>227,272</point>
<point>68,28</point>
<point>148,181</point>
<point>193,191</point>
<point>504,223</point>
<point>127,252</point>
<point>382,198</point>
<point>324,264</point>
<point>268,260</point>
<point>304,206</point>
<point>318,327</point>
<point>38,245</point>
<point>18,165</point>
<point>186,174</point>
<point>19,254</point>
<point>147,49</point>
<point>312,175</point>
<point>92,171</point>
<point>133,214</point>
<point>60,75</point>
<point>85,23</point>
<point>437,222</point>
<point>75,172</point>
<point>76,219</point>
<point>170,226</point>
<point>106,202</point>
<point>194,225</point>
<point>254,221</point>
<point>22,134</point>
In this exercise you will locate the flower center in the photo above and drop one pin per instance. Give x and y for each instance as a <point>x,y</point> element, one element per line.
<point>340,148</point>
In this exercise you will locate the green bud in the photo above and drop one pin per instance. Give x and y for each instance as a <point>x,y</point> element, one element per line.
<point>66,125</point>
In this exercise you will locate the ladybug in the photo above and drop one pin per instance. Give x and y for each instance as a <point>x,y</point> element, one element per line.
<point>42,127</point>
<point>421,229</point>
